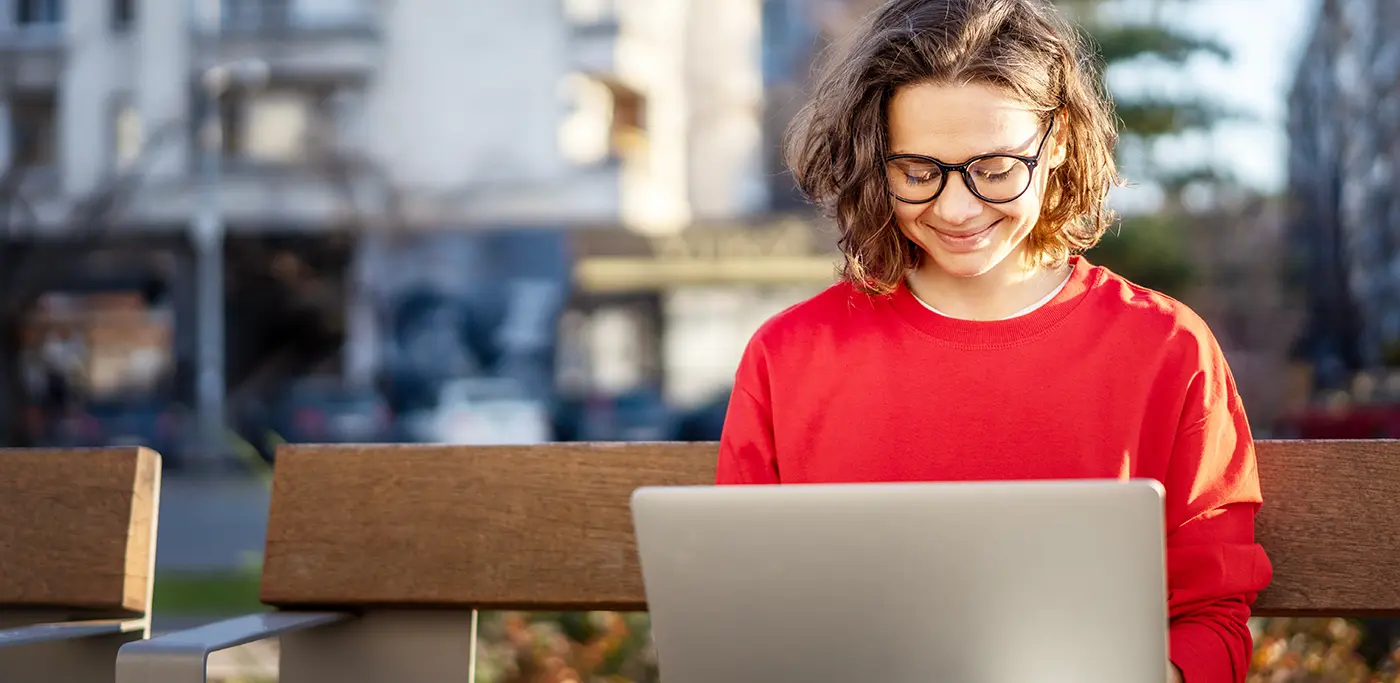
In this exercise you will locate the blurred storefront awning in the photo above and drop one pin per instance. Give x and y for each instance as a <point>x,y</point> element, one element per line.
<point>784,250</point>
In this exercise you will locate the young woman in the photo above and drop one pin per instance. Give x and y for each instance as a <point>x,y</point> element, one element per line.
<point>964,149</point>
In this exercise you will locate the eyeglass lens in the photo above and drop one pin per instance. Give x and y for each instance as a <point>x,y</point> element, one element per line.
<point>996,178</point>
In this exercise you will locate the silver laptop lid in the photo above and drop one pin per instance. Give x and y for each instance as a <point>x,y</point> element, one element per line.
<point>918,583</point>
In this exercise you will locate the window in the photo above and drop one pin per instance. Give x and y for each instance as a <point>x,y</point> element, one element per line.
<point>30,12</point>
<point>608,120</point>
<point>127,135</point>
<point>283,15</point>
<point>34,130</point>
<point>123,14</point>
<point>255,14</point>
<point>591,12</point>
<point>629,117</point>
<point>777,44</point>
<point>278,126</point>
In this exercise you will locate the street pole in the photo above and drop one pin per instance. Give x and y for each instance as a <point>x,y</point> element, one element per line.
<point>208,240</point>
<point>207,235</point>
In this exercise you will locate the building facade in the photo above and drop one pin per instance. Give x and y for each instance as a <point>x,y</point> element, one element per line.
<point>531,111</point>
<point>1344,172</point>
<point>373,128</point>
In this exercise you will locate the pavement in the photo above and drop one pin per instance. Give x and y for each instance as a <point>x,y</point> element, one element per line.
<point>215,523</point>
<point>211,523</point>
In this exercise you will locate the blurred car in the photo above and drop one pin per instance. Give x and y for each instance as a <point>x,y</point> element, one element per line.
<point>150,421</point>
<point>637,415</point>
<point>706,421</point>
<point>326,410</point>
<point>482,411</point>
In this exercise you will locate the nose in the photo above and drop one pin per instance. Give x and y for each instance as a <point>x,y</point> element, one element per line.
<point>956,204</point>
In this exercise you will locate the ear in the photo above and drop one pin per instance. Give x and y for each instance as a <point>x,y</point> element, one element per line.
<point>1059,140</point>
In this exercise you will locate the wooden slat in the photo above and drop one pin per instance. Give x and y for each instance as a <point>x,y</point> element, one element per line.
<point>76,528</point>
<point>1331,525</point>
<point>542,526</point>
<point>549,526</point>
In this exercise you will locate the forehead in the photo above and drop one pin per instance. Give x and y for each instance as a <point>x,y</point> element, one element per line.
<point>954,122</point>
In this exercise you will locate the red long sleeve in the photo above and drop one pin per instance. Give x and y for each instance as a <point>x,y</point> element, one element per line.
<point>746,449</point>
<point>1107,380</point>
<point>1215,569</point>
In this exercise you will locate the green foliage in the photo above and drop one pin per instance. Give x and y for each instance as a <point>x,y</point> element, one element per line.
<point>1149,251</point>
<point>1316,650</point>
<point>1121,44</point>
<point>520,648</point>
<point>616,648</point>
<point>1126,43</point>
<point>1153,118</point>
<point>565,647</point>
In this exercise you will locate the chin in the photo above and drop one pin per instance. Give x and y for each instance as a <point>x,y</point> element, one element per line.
<point>966,264</point>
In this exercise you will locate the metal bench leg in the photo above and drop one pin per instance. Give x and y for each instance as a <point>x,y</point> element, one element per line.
<point>385,647</point>
<point>82,659</point>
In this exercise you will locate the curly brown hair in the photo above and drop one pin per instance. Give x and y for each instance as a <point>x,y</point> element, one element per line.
<point>837,144</point>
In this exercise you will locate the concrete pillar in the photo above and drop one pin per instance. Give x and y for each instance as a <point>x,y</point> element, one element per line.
<point>84,98</point>
<point>363,335</point>
<point>5,152</point>
<point>724,79</point>
<point>163,81</point>
<point>652,59</point>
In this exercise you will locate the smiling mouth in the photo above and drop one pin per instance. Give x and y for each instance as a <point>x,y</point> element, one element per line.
<point>967,235</point>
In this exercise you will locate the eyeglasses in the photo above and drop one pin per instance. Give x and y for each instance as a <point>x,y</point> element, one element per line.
<point>993,178</point>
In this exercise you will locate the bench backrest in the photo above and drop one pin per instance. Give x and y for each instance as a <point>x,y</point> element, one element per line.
<point>549,527</point>
<point>77,529</point>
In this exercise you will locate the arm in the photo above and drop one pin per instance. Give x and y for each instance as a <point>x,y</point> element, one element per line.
<point>1214,567</point>
<point>67,630</point>
<point>183,656</point>
<point>746,448</point>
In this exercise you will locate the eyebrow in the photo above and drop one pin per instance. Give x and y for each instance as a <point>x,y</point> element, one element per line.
<point>1014,150</point>
<point>1004,149</point>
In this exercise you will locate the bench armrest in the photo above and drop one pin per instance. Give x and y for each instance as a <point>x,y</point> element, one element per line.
<point>183,656</point>
<point>67,630</point>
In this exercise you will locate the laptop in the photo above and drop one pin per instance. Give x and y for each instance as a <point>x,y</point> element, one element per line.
<point>976,582</point>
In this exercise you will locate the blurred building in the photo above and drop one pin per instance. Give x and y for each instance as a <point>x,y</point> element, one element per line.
<point>358,138</point>
<point>1344,129</point>
<point>463,111</point>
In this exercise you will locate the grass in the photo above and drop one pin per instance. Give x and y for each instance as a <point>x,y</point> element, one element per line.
<point>207,594</point>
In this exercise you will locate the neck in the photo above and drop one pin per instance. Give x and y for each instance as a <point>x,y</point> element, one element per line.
<point>999,293</point>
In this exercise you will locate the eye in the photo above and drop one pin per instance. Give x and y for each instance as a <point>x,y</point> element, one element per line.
<point>913,173</point>
<point>996,169</point>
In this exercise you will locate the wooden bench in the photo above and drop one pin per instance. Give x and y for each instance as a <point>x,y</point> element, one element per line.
<point>377,556</point>
<point>77,553</point>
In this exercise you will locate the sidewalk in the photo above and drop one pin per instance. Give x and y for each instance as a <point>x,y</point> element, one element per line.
<point>245,664</point>
<point>210,524</point>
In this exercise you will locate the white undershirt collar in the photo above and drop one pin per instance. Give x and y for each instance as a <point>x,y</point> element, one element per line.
<point>1017,314</point>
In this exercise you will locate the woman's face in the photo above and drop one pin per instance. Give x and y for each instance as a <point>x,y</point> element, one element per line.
<point>961,234</point>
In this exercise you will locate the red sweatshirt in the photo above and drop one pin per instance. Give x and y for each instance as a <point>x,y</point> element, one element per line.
<point>1107,379</point>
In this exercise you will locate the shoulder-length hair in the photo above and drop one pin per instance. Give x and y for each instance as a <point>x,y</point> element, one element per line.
<point>837,144</point>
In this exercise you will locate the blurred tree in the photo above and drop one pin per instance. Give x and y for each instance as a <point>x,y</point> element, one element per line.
<point>1148,250</point>
<point>1134,35</point>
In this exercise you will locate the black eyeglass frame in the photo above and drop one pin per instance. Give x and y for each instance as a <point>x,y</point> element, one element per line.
<point>964,169</point>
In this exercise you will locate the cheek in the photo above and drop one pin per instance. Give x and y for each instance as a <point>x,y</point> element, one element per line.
<point>906,218</point>
<point>908,214</point>
<point>1023,212</point>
